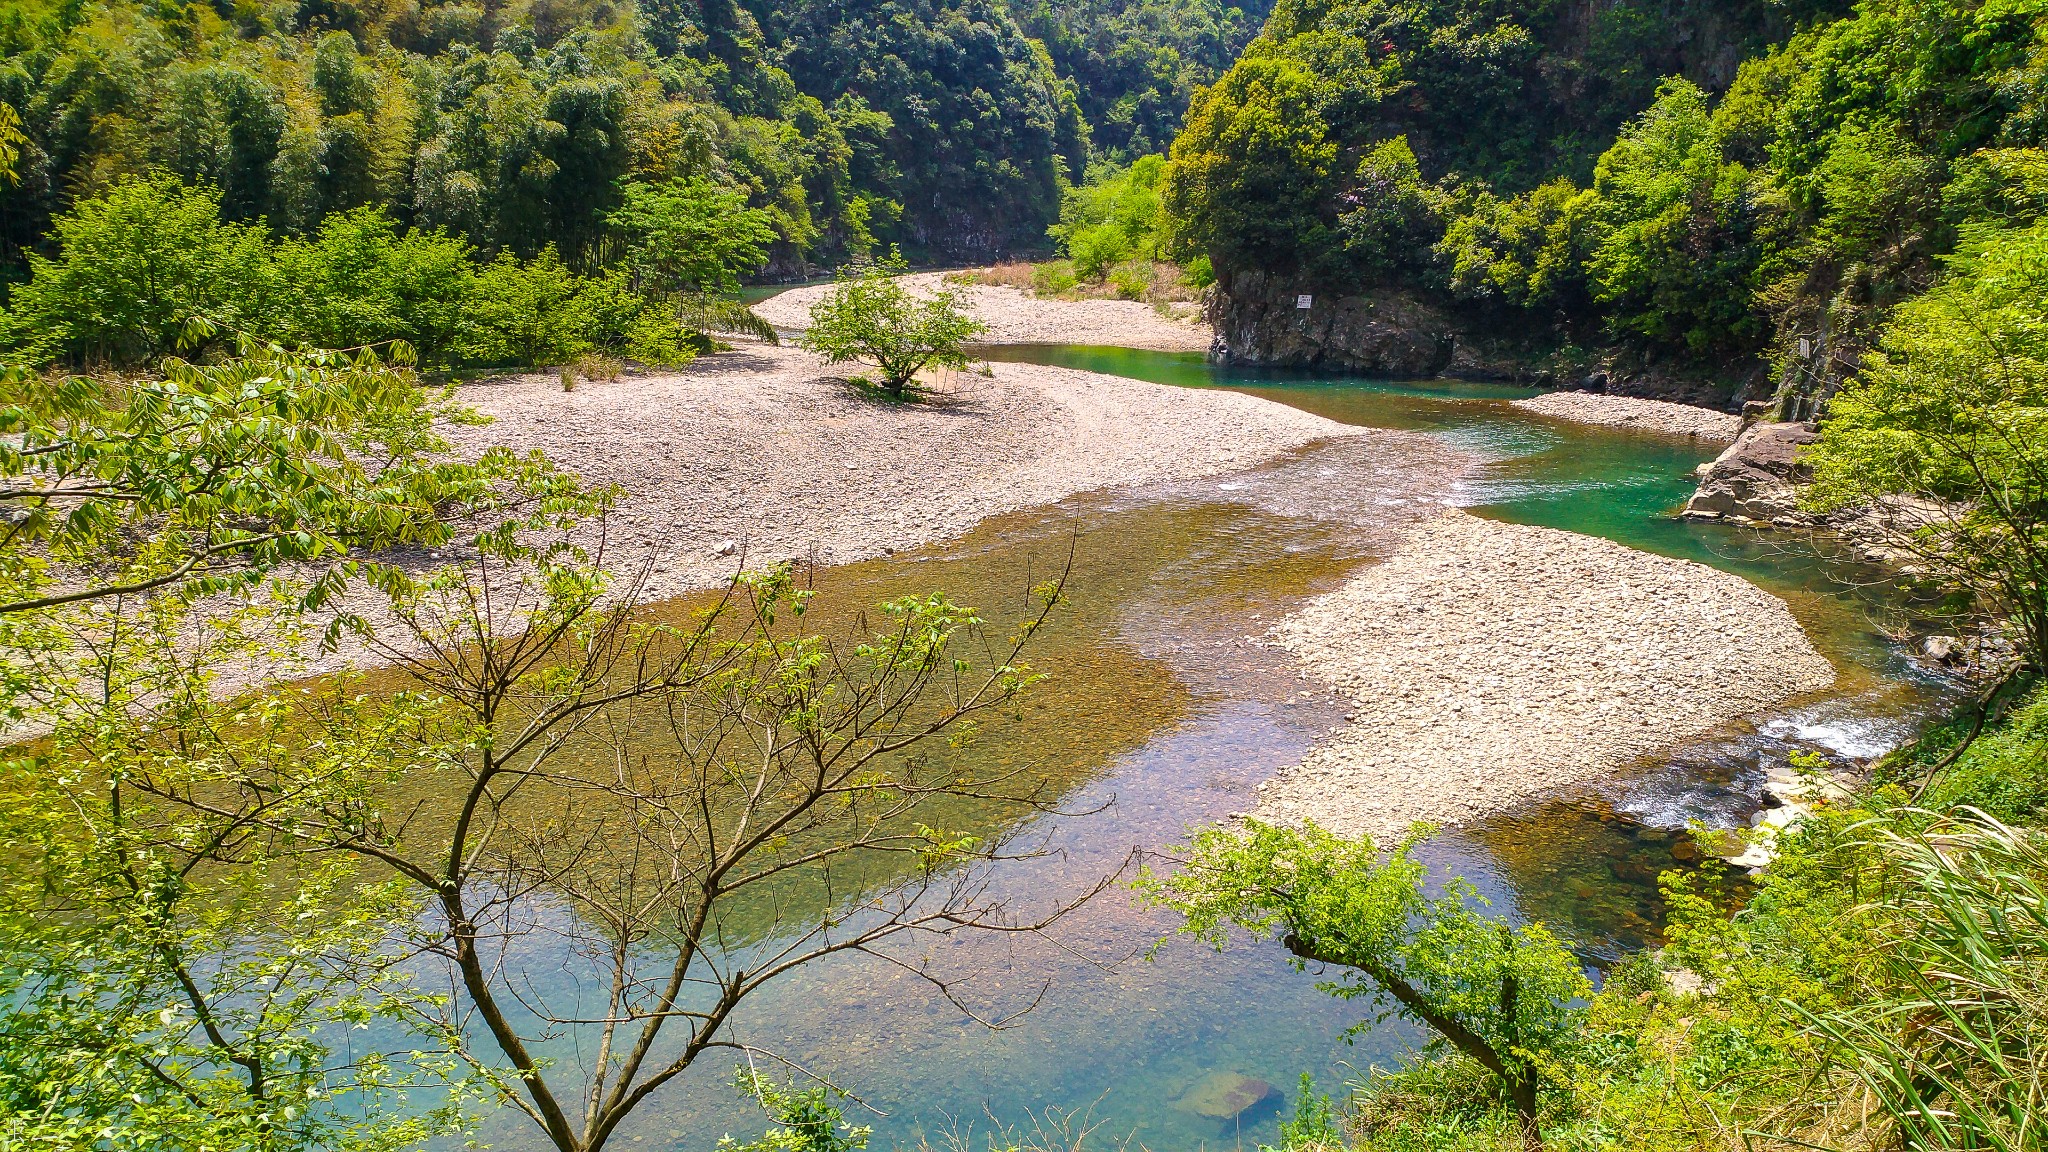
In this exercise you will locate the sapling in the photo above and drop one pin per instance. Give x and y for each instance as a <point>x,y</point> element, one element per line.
<point>1502,994</point>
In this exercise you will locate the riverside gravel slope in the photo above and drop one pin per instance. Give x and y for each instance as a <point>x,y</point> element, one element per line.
<point>760,454</point>
<point>1631,412</point>
<point>1493,662</point>
<point>1013,316</point>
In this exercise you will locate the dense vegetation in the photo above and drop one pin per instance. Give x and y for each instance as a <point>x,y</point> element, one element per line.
<point>226,881</point>
<point>1611,172</point>
<point>944,126</point>
<point>1136,63</point>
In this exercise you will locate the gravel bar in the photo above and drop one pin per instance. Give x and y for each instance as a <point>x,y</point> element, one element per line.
<point>1630,412</point>
<point>1490,663</point>
<point>761,454</point>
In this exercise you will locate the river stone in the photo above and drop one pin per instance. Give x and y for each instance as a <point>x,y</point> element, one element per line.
<point>1226,1096</point>
<point>1942,649</point>
<point>1756,477</point>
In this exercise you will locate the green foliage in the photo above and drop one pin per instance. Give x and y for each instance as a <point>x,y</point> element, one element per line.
<point>1314,1124</point>
<point>980,126</point>
<point>215,476</point>
<point>1112,218</point>
<point>1958,1056</point>
<point>1954,410</point>
<point>1502,995</point>
<point>1673,256</point>
<point>935,124</point>
<point>1136,63</point>
<point>1250,177</point>
<point>1578,167</point>
<point>871,317</point>
<point>810,1120</point>
<point>1529,251</point>
<point>136,266</point>
<point>1053,277</point>
<point>176,977</point>
<point>692,237</point>
<point>2003,773</point>
<point>527,312</point>
<point>362,281</point>
<point>1391,216</point>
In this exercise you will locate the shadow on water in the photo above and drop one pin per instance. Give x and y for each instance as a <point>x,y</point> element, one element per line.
<point>1164,710</point>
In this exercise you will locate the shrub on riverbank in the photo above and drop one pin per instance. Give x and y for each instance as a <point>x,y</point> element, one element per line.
<point>1886,983</point>
<point>871,318</point>
<point>136,266</point>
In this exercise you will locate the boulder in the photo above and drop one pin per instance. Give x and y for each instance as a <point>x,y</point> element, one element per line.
<point>1942,649</point>
<point>1757,478</point>
<point>1227,1096</point>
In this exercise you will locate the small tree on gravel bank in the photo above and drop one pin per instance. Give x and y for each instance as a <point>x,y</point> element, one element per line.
<point>871,318</point>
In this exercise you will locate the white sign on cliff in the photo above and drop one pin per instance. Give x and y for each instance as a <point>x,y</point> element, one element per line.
<point>1304,300</point>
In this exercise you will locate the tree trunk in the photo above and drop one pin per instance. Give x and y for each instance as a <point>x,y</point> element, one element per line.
<point>1522,1089</point>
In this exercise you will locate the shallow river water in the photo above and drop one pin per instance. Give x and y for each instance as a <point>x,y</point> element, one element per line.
<point>1164,712</point>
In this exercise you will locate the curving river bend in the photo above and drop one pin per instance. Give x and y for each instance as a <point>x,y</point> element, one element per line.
<point>1165,712</point>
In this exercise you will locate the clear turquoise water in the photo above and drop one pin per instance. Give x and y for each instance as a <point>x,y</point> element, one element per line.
<point>1169,581</point>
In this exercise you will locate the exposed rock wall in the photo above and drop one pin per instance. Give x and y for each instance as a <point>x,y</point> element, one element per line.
<point>1395,332</point>
<point>1258,321</point>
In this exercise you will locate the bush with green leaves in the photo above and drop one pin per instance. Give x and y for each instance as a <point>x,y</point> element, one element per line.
<point>133,268</point>
<point>691,237</point>
<point>1111,218</point>
<point>1503,995</point>
<point>138,266</point>
<point>1952,414</point>
<point>870,317</point>
<point>362,280</point>
<point>528,312</point>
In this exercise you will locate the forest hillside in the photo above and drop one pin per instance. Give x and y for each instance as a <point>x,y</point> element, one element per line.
<point>1738,191</point>
<point>944,126</point>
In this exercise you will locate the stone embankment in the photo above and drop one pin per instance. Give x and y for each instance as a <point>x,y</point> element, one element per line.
<point>1011,316</point>
<point>1489,663</point>
<point>1629,412</point>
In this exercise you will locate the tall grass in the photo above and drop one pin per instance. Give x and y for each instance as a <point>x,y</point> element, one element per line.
<point>1959,1058</point>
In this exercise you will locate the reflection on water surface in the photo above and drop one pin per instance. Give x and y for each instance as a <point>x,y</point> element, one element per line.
<point>1166,711</point>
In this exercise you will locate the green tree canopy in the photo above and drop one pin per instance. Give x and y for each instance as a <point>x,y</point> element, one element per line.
<point>1503,995</point>
<point>871,317</point>
<point>691,237</point>
<point>1952,415</point>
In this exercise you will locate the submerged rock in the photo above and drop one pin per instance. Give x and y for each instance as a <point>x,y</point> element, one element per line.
<point>1227,1096</point>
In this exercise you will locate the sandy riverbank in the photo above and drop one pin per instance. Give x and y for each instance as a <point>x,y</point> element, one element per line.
<point>1630,412</point>
<point>1016,317</point>
<point>1490,663</point>
<point>763,448</point>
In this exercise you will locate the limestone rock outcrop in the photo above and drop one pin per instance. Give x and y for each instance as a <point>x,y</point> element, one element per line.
<point>1757,477</point>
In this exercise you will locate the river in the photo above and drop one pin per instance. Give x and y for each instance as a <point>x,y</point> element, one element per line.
<point>1164,711</point>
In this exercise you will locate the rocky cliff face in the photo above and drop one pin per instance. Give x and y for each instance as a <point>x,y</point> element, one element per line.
<point>1258,320</point>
